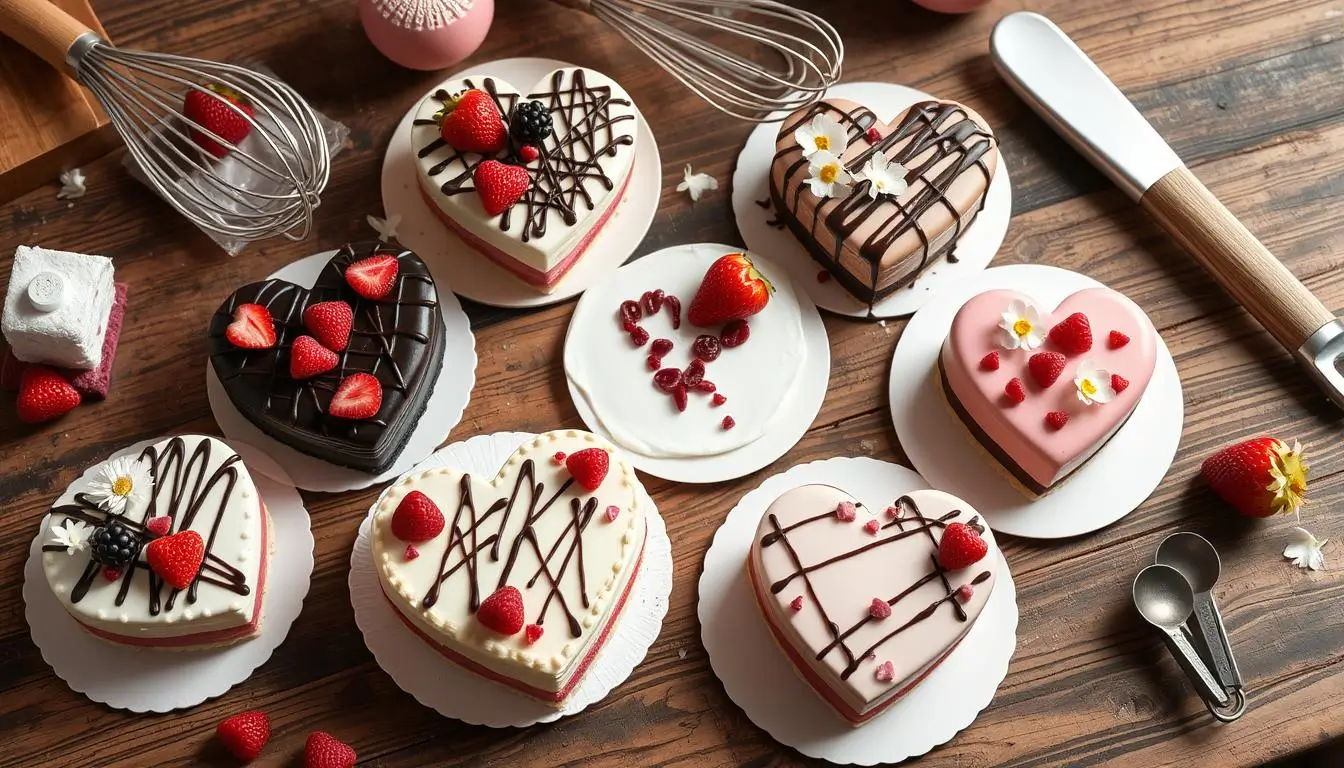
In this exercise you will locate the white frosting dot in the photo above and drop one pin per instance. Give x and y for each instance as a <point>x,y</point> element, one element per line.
<point>588,622</point>
<point>557,662</point>
<point>207,613</point>
<point>244,494</point>
<point>59,589</point>
<point>170,619</point>
<point>102,614</point>
<point>244,535</point>
<point>124,618</point>
<point>242,557</point>
<point>445,471</point>
<point>188,614</point>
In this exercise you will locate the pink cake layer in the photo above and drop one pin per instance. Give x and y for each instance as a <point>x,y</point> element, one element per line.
<point>92,385</point>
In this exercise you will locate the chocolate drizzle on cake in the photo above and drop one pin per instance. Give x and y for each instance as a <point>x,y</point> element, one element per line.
<point>917,525</point>
<point>469,542</point>
<point>584,131</point>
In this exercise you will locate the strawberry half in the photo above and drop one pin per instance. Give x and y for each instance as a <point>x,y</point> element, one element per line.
<point>322,750</point>
<point>329,322</point>
<point>732,289</point>
<point>308,358</point>
<point>374,277</point>
<point>472,123</point>
<point>245,734</point>
<point>500,185</point>
<point>960,547</point>
<point>502,612</point>
<point>210,110</point>
<point>177,558</point>
<point>417,518</point>
<point>358,396</point>
<point>44,394</point>
<point>252,327</point>
<point>589,467</point>
<point>1259,477</point>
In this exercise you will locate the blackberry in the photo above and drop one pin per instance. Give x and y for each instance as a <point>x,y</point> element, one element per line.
<point>530,123</point>
<point>114,545</point>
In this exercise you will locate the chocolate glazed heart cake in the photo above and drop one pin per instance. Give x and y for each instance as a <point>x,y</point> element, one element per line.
<point>341,371</point>
<point>879,203</point>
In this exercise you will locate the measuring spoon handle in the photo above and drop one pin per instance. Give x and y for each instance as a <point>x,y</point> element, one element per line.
<point>1211,628</point>
<point>1194,667</point>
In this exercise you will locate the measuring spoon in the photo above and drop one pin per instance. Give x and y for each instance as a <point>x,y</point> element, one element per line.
<point>1198,562</point>
<point>1165,600</point>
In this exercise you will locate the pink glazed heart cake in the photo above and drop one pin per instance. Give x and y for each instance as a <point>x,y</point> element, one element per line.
<point>866,602</point>
<point>1044,390</point>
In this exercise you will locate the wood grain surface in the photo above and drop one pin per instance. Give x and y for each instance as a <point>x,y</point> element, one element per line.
<point>1248,92</point>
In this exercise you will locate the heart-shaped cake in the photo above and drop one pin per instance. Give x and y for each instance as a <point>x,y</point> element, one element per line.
<point>1042,391</point>
<point>164,548</point>
<point>878,203</point>
<point>341,371</point>
<point>866,602</point>
<point>528,178</point>
<point>522,576</point>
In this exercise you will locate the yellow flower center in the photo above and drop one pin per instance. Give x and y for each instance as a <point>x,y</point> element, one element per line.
<point>823,143</point>
<point>122,486</point>
<point>1088,387</point>
<point>829,172</point>
<point>1022,327</point>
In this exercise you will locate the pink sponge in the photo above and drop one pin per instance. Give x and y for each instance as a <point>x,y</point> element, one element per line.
<point>93,385</point>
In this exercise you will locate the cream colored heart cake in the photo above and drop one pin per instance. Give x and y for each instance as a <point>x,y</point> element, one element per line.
<point>520,577</point>
<point>1042,391</point>
<point>879,203</point>
<point>526,177</point>
<point>867,602</point>
<point>165,548</point>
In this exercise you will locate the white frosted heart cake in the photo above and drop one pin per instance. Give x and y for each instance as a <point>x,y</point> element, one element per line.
<point>864,602</point>
<point>164,548</point>
<point>1042,390</point>
<point>520,577</point>
<point>526,175</point>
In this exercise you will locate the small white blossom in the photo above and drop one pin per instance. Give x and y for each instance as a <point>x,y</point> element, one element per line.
<point>826,176</point>
<point>1021,326</point>
<point>696,184</point>
<point>1093,383</point>
<point>72,185</point>
<point>71,534</point>
<point>1305,550</point>
<point>386,228</point>
<point>883,176</point>
<point>823,134</point>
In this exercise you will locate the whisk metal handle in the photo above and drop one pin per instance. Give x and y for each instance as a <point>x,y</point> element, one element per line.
<point>44,29</point>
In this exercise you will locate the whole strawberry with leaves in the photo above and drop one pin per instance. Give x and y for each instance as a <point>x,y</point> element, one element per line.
<point>1260,477</point>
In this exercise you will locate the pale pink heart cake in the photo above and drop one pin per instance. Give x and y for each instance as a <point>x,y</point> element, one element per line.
<point>867,602</point>
<point>1043,391</point>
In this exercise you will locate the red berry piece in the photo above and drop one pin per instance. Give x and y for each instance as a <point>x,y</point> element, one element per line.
<point>673,306</point>
<point>532,634</point>
<point>735,334</point>
<point>589,467</point>
<point>1046,367</point>
<point>630,312</point>
<point>500,185</point>
<point>1073,334</point>
<point>1056,420</point>
<point>661,347</point>
<point>679,397</point>
<point>796,604</point>
<point>706,348</point>
<point>1116,340</point>
<point>667,379</point>
<point>472,123</point>
<point>329,322</point>
<point>559,458</point>
<point>729,422</point>
<point>1014,391</point>
<point>244,734</point>
<point>373,277</point>
<point>1119,383</point>
<point>893,513</point>
<point>639,337</point>
<point>159,526</point>
<point>885,672</point>
<point>527,153</point>
<point>879,609</point>
<point>252,327</point>
<point>654,362</point>
<point>965,592</point>
<point>824,276</point>
<point>323,750</point>
<point>960,547</point>
<point>44,394</point>
<point>111,574</point>
<point>846,511</point>
<point>873,135</point>
<point>502,611</point>
<point>652,301</point>
<point>706,386</point>
<point>417,518</point>
<point>213,110</point>
<point>308,358</point>
<point>612,513</point>
<point>177,558</point>
<point>358,396</point>
<point>629,326</point>
<point>694,373</point>
<point>718,399</point>
<point>990,362</point>
<point>411,552</point>
<point>872,527</point>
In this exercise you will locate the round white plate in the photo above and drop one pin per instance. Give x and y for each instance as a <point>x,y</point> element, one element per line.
<point>595,315</point>
<point>1109,486</point>
<point>453,691</point>
<point>476,277</point>
<point>751,185</point>
<point>156,680</point>
<point>451,393</point>
<point>761,680</point>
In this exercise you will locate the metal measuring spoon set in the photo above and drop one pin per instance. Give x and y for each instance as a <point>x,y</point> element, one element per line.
<point>1167,594</point>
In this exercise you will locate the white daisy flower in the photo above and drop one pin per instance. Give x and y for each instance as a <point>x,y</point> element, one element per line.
<point>883,176</point>
<point>1093,383</point>
<point>120,484</point>
<point>1021,326</point>
<point>695,184</point>
<point>71,534</point>
<point>827,177</point>
<point>1304,550</point>
<point>823,134</point>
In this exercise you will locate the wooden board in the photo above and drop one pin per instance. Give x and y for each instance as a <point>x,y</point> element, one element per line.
<point>50,123</point>
<point>1251,96</point>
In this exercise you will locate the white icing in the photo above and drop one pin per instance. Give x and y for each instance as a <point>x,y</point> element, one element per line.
<point>612,376</point>
<point>71,334</point>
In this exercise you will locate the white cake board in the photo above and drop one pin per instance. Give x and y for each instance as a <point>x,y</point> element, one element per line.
<point>751,183</point>
<point>1109,486</point>
<point>761,680</point>
<point>454,692</point>
<point>451,393</point>
<point>475,276</point>
<point>162,680</point>
<point>596,312</point>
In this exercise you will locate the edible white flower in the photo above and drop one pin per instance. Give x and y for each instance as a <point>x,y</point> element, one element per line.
<point>386,228</point>
<point>696,184</point>
<point>120,484</point>
<point>826,176</point>
<point>883,176</point>
<point>72,185</point>
<point>823,134</point>
<point>1093,383</point>
<point>71,534</point>
<point>1021,326</point>
<point>1305,550</point>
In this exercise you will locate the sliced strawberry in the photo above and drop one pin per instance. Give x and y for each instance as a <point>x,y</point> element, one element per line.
<point>358,396</point>
<point>308,358</point>
<point>373,277</point>
<point>329,322</point>
<point>252,327</point>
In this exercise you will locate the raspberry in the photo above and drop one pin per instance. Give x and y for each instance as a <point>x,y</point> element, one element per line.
<point>1119,383</point>
<point>729,422</point>
<point>679,397</point>
<point>630,311</point>
<point>1014,391</point>
<point>639,336</point>
<point>964,593</point>
<point>1116,340</point>
<point>661,347</point>
<point>667,379</point>
<point>1056,420</point>
<point>735,334</point>
<point>872,135</point>
<point>654,362</point>
<point>879,609</point>
<point>706,348</point>
<point>694,373</point>
<point>990,362</point>
<point>1046,367</point>
<point>652,301</point>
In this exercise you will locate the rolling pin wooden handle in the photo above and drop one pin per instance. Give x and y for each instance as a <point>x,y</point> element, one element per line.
<point>1244,267</point>
<point>42,28</point>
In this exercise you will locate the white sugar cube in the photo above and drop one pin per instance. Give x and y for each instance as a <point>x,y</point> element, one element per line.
<point>57,306</point>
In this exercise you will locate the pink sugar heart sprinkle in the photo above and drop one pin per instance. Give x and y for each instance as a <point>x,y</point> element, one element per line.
<point>964,593</point>
<point>880,609</point>
<point>884,672</point>
<point>613,512</point>
<point>159,526</point>
<point>411,552</point>
<point>532,633</point>
<point>558,458</point>
<point>846,511</point>
<point>872,526</point>
<point>797,604</point>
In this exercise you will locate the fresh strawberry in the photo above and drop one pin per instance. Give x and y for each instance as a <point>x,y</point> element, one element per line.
<point>732,289</point>
<point>990,362</point>
<point>210,109</point>
<point>1046,367</point>
<point>417,518</point>
<point>960,547</point>
<point>329,322</point>
<point>159,526</point>
<point>1014,391</point>
<point>1116,340</point>
<point>1056,420</point>
<point>326,751</point>
<point>1073,334</point>
<point>1259,477</point>
<point>500,185</point>
<point>1119,383</point>
<point>589,467</point>
<point>358,396</point>
<point>44,395</point>
<point>373,277</point>
<point>472,123</point>
<point>252,327</point>
<point>308,358</point>
<point>502,612</point>
<point>245,734</point>
<point>532,634</point>
<point>177,558</point>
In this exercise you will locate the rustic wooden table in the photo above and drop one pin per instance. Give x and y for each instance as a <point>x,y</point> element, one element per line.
<point>1249,93</point>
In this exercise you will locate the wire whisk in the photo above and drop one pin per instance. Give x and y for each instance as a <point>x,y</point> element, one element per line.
<point>268,184</point>
<point>800,53</point>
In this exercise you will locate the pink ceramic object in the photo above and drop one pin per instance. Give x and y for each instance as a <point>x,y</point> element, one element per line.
<point>426,34</point>
<point>953,6</point>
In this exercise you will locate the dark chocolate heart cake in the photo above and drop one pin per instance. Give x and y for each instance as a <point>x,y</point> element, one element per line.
<point>341,371</point>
